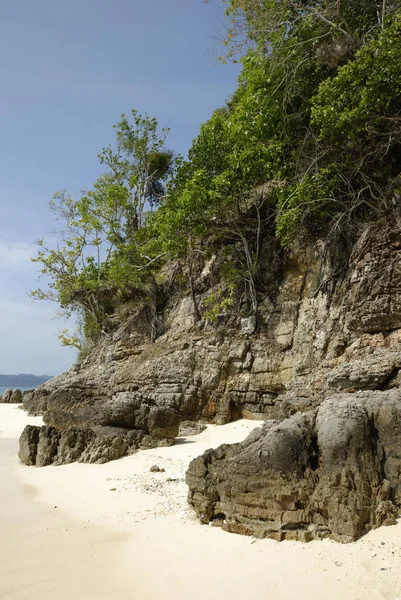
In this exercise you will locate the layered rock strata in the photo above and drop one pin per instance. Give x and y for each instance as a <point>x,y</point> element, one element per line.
<point>334,471</point>
<point>103,430</point>
<point>323,330</point>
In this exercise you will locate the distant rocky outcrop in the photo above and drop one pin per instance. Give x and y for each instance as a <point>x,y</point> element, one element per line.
<point>334,471</point>
<point>328,331</point>
<point>11,397</point>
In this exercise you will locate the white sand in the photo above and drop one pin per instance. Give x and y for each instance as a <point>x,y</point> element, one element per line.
<point>122,532</point>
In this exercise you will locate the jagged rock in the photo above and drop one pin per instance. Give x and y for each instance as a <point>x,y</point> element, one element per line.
<point>386,513</point>
<point>334,471</point>
<point>11,397</point>
<point>112,428</point>
<point>28,445</point>
<point>42,446</point>
<point>248,325</point>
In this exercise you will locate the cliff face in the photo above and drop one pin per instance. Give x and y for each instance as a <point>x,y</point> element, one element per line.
<point>324,333</point>
<point>323,369</point>
<point>333,468</point>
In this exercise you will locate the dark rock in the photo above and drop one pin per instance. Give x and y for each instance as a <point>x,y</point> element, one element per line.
<point>47,445</point>
<point>156,469</point>
<point>101,430</point>
<point>330,472</point>
<point>11,397</point>
<point>28,445</point>
<point>42,446</point>
<point>386,513</point>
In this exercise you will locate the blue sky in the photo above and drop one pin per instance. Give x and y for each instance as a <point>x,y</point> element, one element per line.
<point>68,70</point>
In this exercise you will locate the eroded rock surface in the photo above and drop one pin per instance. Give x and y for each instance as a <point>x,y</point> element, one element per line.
<point>324,330</point>
<point>11,397</point>
<point>334,471</point>
<point>96,433</point>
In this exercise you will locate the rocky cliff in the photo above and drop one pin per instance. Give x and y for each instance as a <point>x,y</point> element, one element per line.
<point>326,330</point>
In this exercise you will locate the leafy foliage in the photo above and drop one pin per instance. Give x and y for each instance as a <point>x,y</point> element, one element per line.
<point>102,256</point>
<point>364,93</point>
<point>308,143</point>
<point>218,303</point>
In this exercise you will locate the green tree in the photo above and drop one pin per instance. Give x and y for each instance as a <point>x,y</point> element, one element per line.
<point>353,173</point>
<point>140,164</point>
<point>102,251</point>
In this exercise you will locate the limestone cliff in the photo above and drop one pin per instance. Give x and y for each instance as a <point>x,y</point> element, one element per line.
<point>325,330</point>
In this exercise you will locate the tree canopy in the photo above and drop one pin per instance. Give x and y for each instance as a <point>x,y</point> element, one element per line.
<point>309,144</point>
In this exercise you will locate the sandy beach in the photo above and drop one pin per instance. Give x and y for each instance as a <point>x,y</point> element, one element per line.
<point>120,531</point>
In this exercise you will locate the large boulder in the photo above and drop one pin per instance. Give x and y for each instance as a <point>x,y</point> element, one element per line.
<point>334,471</point>
<point>113,428</point>
<point>11,397</point>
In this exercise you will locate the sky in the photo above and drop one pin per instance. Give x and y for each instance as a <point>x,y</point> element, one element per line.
<point>68,71</point>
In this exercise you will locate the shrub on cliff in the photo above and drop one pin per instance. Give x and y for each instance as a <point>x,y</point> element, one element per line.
<point>101,256</point>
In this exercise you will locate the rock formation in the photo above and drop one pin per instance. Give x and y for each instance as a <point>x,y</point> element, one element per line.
<point>96,432</point>
<point>11,397</point>
<point>329,463</point>
<point>334,471</point>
